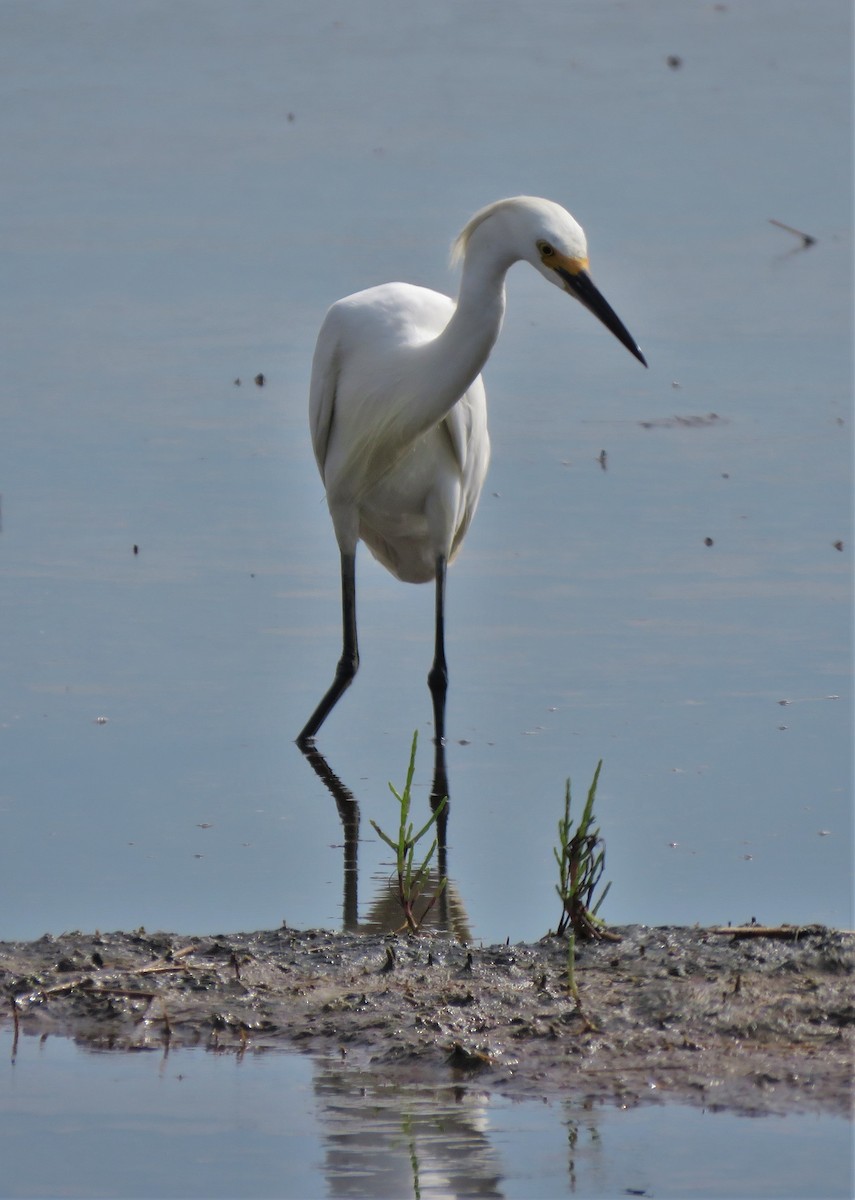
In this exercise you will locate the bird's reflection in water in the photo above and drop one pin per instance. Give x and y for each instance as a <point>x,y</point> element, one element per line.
<point>447,914</point>
<point>401,1136</point>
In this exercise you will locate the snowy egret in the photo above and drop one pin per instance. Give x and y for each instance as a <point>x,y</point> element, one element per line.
<point>398,411</point>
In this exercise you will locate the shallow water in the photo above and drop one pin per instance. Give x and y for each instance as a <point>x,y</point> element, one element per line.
<point>200,1124</point>
<point>191,186</point>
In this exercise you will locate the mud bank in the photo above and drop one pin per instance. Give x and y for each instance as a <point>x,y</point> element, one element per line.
<point>756,1024</point>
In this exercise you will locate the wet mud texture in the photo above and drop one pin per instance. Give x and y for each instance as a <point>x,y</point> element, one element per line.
<point>755,1024</point>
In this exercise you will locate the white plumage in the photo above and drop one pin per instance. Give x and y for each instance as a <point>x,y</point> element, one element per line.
<point>398,411</point>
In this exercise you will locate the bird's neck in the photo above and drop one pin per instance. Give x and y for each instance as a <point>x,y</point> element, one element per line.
<point>450,363</point>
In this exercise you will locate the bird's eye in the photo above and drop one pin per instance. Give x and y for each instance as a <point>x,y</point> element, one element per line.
<point>546,251</point>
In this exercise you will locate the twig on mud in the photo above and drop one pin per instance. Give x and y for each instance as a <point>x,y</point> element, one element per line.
<point>165,964</point>
<point>779,931</point>
<point>85,985</point>
<point>89,981</point>
<point>161,968</point>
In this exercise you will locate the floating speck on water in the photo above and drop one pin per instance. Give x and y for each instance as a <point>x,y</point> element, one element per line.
<point>100,720</point>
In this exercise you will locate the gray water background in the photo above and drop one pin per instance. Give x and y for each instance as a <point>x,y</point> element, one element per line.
<point>186,188</point>
<point>190,1124</point>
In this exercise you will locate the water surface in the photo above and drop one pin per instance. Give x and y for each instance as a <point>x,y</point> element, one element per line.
<point>192,1124</point>
<point>190,186</point>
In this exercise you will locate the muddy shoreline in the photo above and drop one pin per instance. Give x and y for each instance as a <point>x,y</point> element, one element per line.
<point>754,1024</point>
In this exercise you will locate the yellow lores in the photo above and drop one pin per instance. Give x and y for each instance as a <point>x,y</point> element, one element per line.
<point>550,257</point>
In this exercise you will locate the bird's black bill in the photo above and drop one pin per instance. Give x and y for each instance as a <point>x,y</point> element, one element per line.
<point>580,285</point>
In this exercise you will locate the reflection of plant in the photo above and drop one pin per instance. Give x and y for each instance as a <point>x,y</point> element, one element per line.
<point>410,880</point>
<point>407,1123</point>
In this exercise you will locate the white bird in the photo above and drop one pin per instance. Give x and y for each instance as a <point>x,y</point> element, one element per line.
<point>398,411</point>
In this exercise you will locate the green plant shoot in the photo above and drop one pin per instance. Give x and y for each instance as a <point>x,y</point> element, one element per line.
<point>412,878</point>
<point>581,858</point>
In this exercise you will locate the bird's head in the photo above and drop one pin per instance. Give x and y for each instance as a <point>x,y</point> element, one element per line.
<point>544,234</point>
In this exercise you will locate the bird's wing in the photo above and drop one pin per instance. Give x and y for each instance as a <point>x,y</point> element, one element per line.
<point>458,426</point>
<point>466,427</point>
<point>322,390</point>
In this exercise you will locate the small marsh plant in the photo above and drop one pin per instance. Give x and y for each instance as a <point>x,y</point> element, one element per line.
<point>412,879</point>
<point>581,859</point>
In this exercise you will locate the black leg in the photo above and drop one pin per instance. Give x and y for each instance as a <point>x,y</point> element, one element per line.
<point>349,661</point>
<point>438,677</point>
<point>348,811</point>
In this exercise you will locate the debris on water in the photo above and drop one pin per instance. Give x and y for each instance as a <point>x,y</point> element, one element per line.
<point>692,421</point>
<point>674,61</point>
<point>807,238</point>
